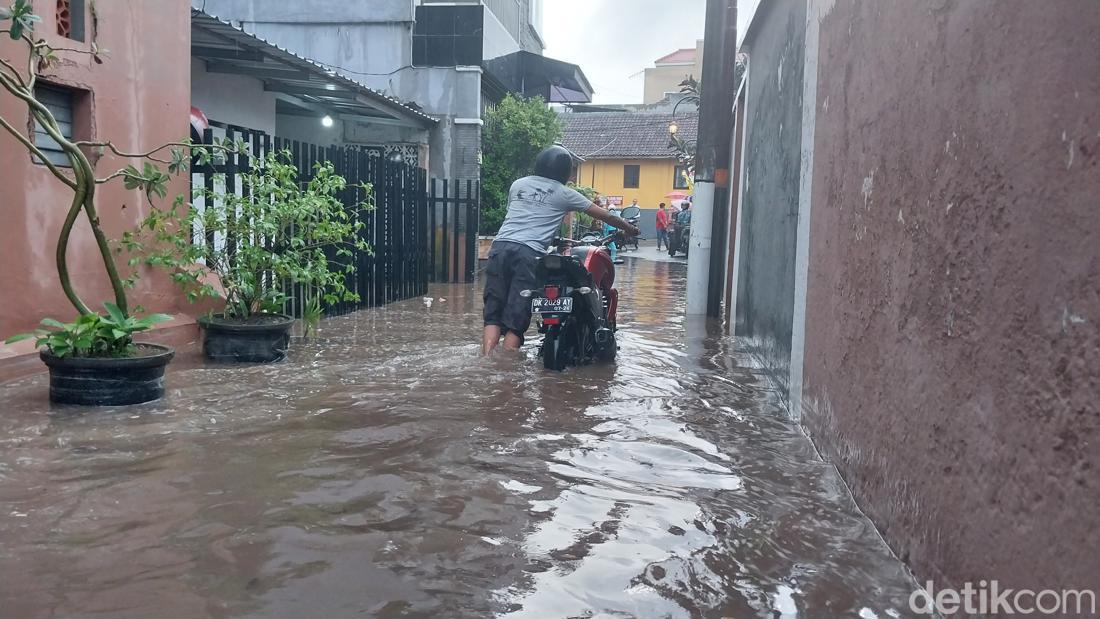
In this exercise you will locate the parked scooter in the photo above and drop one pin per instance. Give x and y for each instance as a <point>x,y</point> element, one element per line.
<point>679,237</point>
<point>576,300</point>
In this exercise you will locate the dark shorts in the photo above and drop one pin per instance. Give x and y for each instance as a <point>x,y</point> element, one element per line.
<point>511,269</point>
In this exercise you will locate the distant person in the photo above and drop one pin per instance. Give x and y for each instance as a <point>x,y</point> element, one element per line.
<point>634,239</point>
<point>684,216</point>
<point>662,226</point>
<point>537,205</point>
<point>608,229</point>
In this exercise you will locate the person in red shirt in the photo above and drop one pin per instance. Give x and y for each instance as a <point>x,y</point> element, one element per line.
<point>662,226</point>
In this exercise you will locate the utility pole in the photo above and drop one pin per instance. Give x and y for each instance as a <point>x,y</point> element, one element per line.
<point>710,215</point>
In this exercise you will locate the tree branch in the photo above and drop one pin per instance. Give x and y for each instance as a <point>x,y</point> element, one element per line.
<point>15,72</point>
<point>149,154</point>
<point>106,179</point>
<point>38,153</point>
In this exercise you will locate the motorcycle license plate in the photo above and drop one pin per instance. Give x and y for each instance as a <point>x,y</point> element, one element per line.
<point>561,305</point>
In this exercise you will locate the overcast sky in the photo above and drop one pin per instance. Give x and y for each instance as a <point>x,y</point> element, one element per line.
<point>613,41</point>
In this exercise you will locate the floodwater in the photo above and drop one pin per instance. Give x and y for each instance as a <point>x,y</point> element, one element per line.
<point>385,470</point>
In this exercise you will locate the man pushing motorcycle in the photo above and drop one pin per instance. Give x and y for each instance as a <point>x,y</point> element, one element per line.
<point>537,205</point>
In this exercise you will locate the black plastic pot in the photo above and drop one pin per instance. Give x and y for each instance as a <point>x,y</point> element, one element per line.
<point>264,339</point>
<point>107,381</point>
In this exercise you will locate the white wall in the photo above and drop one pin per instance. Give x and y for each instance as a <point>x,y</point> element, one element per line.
<point>496,40</point>
<point>232,99</point>
<point>309,129</point>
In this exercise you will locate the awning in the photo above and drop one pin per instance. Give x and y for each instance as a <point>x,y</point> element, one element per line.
<point>300,84</point>
<point>533,75</point>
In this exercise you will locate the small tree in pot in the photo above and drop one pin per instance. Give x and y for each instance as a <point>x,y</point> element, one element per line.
<point>277,232</point>
<point>94,359</point>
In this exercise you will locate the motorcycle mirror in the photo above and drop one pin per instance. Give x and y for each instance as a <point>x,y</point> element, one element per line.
<point>631,212</point>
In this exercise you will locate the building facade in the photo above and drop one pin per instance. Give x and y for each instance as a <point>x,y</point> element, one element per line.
<point>138,101</point>
<point>433,55</point>
<point>628,156</point>
<point>916,262</point>
<point>667,73</point>
<point>239,80</point>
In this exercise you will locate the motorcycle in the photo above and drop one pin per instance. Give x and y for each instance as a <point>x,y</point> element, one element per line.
<point>679,238</point>
<point>576,301</point>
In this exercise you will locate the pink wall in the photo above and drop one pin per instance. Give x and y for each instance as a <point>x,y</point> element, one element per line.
<point>953,326</point>
<point>140,97</point>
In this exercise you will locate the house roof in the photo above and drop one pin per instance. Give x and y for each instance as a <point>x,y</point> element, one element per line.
<point>680,56</point>
<point>535,75</point>
<point>228,49</point>
<point>625,135</point>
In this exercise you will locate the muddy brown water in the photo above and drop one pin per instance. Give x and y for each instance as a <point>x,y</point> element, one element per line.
<point>385,470</point>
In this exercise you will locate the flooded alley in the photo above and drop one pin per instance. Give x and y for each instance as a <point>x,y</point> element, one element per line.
<point>385,470</point>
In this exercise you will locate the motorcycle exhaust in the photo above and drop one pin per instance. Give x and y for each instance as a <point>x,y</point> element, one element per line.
<point>603,335</point>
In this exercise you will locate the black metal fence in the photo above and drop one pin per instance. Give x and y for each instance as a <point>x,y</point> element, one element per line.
<point>419,230</point>
<point>453,219</point>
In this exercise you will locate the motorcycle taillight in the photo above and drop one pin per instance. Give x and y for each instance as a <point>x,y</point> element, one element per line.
<point>551,292</point>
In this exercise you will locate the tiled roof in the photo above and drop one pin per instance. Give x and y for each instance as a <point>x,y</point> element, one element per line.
<point>625,135</point>
<point>678,56</point>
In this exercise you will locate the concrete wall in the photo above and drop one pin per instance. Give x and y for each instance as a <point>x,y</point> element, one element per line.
<point>367,41</point>
<point>768,214</point>
<point>138,100</point>
<point>952,355</point>
<point>232,99</point>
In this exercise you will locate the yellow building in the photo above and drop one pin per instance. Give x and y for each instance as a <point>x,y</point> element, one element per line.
<point>627,156</point>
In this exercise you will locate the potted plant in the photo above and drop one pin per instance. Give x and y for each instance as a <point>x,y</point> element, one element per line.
<point>276,233</point>
<point>94,359</point>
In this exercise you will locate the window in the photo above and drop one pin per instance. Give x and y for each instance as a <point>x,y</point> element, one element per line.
<point>70,19</point>
<point>679,181</point>
<point>60,103</point>
<point>448,36</point>
<point>632,175</point>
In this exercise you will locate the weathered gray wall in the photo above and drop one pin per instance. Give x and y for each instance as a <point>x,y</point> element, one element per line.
<point>769,208</point>
<point>952,363</point>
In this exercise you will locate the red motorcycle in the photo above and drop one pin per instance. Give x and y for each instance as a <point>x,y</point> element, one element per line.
<point>576,301</point>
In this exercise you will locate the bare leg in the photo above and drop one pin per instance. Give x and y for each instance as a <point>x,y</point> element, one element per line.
<point>490,339</point>
<point>512,342</point>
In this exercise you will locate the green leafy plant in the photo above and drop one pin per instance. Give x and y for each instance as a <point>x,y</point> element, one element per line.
<point>279,231</point>
<point>311,315</point>
<point>19,78</point>
<point>514,133</point>
<point>92,335</point>
<point>581,221</point>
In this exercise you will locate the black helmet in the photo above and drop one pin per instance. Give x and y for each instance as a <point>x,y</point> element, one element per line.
<point>555,163</point>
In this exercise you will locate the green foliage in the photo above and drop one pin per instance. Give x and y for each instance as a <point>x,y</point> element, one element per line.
<point>150,180</point>
<point>492,219</point>
<point>515,131</point>
<point>22,18</point>
<point>92,335</point>
<point>282,231</point>
<point>311,315</point>
<point>581,221</point>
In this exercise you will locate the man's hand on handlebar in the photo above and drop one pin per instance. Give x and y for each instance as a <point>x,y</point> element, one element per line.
<point>596,211</point>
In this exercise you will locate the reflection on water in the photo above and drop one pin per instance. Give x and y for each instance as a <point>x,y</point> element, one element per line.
<point>385,470</point>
